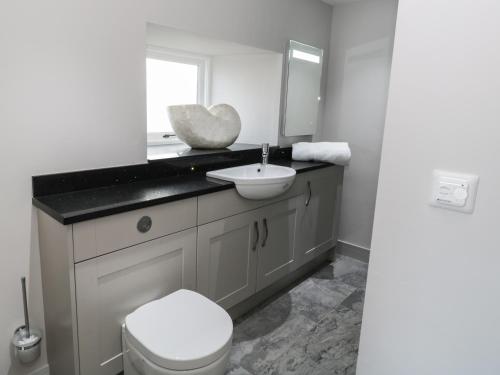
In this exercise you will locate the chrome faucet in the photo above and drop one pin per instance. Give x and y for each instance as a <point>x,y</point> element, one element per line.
<point>265,153</point>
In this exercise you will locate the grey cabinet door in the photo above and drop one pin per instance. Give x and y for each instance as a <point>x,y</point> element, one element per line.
<point>277,244</point>
<point>113,285</point>
<point>227,258</point>
<point>316,206</point>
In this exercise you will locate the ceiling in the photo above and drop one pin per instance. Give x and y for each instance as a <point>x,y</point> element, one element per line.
<point>174,39</point>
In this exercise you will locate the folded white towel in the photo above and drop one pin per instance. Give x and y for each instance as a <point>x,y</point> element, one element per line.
<point>331,152</point>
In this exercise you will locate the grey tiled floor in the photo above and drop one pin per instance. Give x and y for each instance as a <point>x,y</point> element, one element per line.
<point>310,329</point>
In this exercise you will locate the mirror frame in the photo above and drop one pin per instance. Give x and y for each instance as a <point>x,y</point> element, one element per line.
<point>286,77</point>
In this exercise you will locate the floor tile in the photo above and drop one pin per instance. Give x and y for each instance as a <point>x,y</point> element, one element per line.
<point>273,348</point>
<point>334,343</point>
<point>313,300</point>
<point>355,301</point>
<point>347,270</point>
<point>311,329</point>
<point>238,371</point>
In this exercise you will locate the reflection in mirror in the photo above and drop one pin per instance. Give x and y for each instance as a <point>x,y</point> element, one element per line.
<point>188,68</point>
<point>303,85</point>
<point>171,79</point>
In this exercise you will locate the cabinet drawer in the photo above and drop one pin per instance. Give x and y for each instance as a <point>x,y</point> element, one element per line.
<point>104,235</point>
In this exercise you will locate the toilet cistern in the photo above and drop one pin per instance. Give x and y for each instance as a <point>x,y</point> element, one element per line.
<point>265,153</point>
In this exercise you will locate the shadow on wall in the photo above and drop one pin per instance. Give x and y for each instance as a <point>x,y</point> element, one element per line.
<point>35,305</point>
<point>362,116</point>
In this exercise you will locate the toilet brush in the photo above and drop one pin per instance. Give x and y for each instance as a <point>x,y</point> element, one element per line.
<point>25,306</point>
<point>26,341</point>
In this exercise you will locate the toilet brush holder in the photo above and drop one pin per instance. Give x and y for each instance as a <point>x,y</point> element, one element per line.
<point>26,341</point>
<point>26,348</point>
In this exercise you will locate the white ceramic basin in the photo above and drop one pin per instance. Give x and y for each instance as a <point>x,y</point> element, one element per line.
<point>257,181</point>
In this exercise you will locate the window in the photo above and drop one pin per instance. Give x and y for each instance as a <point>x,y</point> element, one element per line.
<point>171,79</point>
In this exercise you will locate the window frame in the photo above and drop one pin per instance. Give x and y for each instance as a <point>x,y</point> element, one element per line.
<point>203,63</point>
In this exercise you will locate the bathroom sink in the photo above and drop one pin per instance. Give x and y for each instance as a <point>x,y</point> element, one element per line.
<point>257,181</point>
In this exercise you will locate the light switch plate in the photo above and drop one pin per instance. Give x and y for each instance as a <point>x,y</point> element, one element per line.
<point>454,191</point>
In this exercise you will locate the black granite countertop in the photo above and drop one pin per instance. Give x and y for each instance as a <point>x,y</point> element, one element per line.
<point>71,204</point>
<point>81,205</point>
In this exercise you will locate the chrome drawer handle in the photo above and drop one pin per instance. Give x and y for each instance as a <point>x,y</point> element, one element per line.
<point>256,228</point>
<point>144,224</point>
<point>264,240</point>
<point>310,193</point>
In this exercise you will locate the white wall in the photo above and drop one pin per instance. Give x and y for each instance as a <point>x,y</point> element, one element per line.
<point>72,96</point>
<point>358,78</point>
<point>432,303</point>
<point>252,84</point>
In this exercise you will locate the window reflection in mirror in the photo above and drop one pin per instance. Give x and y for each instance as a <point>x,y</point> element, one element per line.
<point>172,78</point>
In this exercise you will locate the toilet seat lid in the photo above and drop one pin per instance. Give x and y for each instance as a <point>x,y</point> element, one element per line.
<point>182,331</point>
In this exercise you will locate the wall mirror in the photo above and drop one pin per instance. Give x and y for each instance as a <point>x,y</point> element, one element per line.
<point>187,68</point>
<point>304,66</point>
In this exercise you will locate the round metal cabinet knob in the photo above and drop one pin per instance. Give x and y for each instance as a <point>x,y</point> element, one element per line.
<point>144,224</point>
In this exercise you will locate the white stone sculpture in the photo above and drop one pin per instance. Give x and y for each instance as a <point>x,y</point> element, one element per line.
<point>199,127</point>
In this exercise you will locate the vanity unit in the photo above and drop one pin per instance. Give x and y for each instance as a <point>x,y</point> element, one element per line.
<point>100,264</point>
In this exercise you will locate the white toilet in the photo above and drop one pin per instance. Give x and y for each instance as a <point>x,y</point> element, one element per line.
<point>182,333</point>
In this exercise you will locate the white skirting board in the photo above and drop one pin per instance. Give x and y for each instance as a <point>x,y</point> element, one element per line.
<point>353,251</point>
